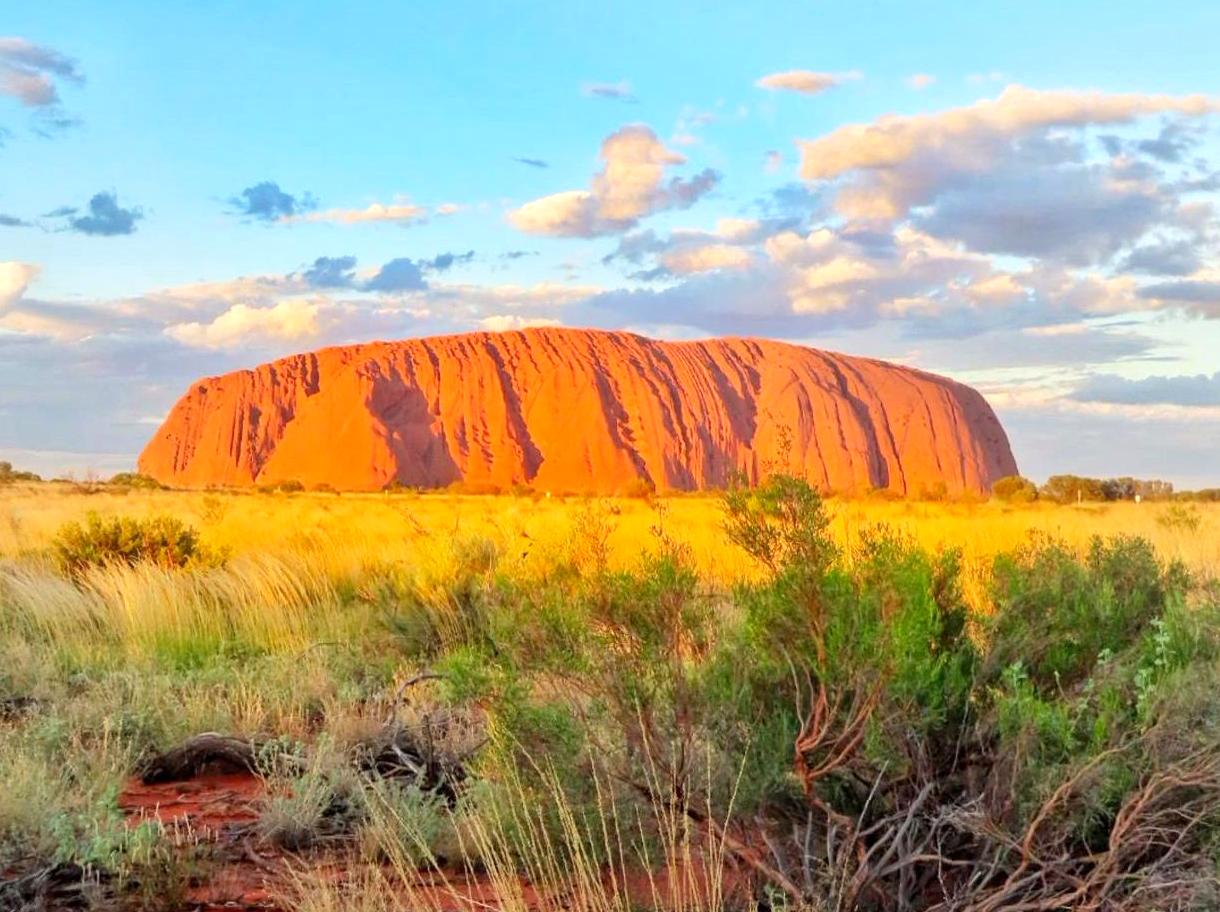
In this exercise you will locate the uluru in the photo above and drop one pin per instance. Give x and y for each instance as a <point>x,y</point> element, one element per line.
<point>569,410</point>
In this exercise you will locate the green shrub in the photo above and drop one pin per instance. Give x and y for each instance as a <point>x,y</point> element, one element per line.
<point>162,540</point>
<point>782,524</point>
<point>1180,517</point>
<point>136,480</point>
<point>1058,614</point>
<point>1015,489</point>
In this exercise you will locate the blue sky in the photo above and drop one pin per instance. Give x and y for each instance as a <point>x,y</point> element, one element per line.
<point>1020,196</point>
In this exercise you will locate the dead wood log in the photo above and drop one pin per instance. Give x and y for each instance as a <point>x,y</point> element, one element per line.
<point>201,753</point>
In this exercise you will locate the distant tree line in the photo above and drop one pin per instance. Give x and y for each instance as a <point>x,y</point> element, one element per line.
<point>1075,488</point>
<point>1078,489</point>
<point>8,474</point>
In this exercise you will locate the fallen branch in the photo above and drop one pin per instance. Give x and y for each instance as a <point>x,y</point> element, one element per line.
<point>221,753</point>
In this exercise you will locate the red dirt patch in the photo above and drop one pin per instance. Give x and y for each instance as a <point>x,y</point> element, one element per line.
<point>214,811</point>
<point>209,804</point>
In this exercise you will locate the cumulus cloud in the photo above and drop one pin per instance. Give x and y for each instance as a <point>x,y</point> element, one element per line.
<point>1169,146</point>
<point>1199,390</point>
<point>572,213</point>
<point>505,322</point>
<point>266,202</point>
<point>1200,293</point>
<point>1171,258</point>
<point>685,251</point>
<point>290,320</point>
<point>630,186</point>
<point>402,274</point>
<point>324,274</point>
<point>104,217</point>
<point>28,72</point>
<point>1080,214</point>
<point>764,278</point>
<point>900,161</point>
<point>331,272</point>
<point>445,261</point>
<point>707,258</point>
<point>24,317</point>
<point>807,82</point>
<point>14,279</point>
<point>615,91</point>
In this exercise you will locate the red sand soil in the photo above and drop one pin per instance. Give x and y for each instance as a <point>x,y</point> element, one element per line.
<point>210,804</point>
<point>216,811</point>
<point>566,410</point>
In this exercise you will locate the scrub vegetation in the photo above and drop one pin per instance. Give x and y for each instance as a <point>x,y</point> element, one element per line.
<point>755,699</point>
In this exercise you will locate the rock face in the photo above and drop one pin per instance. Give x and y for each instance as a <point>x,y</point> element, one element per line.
<point>579,411</point>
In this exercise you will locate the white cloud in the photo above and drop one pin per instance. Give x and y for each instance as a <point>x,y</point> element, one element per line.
<point>738,229</point>
<point>15,277</point>
<point>30,318</point>
<point>403,213</point>
<point>900,160</point>
<point>505,322</point>
<point>630,185</point>
<point>807,82</point>
<point>289,320</point>
<point>685,261</point>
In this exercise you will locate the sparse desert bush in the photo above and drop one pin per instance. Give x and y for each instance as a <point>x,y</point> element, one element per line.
<point>161,540</point>
<point>135,481</point>
<point>1180,517</point>
<point>313,796</point>
<point>1015,489</point>
<point>213,509</point>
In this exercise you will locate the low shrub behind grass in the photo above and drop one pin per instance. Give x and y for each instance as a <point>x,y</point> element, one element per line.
<point>162,540</point>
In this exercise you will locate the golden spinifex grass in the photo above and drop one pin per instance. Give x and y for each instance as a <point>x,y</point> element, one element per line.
<point>591,662</point>
<point>343,534</point>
